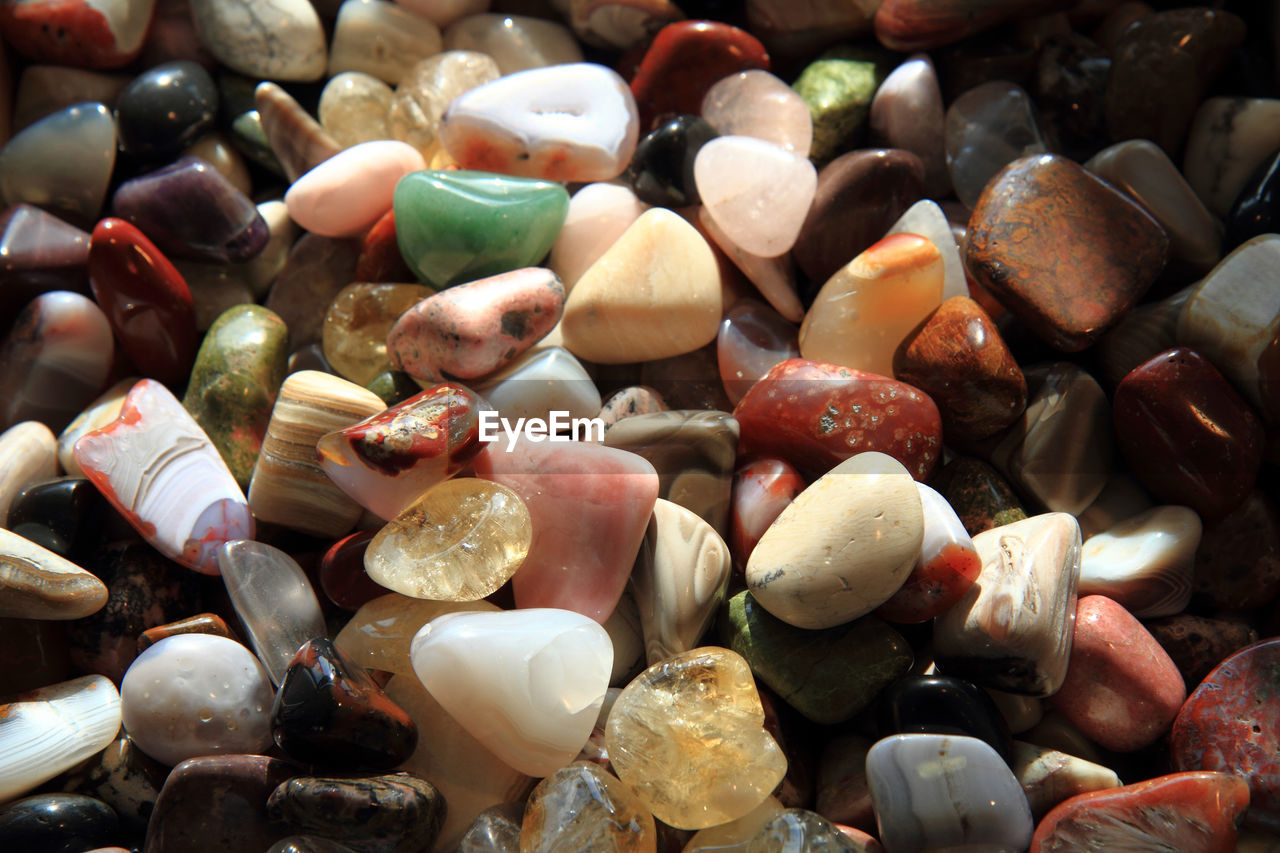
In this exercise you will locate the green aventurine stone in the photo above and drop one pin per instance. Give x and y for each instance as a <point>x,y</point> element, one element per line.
<point>237,374</point>
<point>979,495</point>
<point>827,675</point>
<point>838,87</point>
<point>455,227</point>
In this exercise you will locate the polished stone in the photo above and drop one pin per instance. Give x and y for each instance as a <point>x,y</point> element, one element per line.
<point>295,142</point>
<point>1238,561</point>
<point>28,455</point>
<point>588,808</point>
<point>291,48</point>
<point>945,568</point>
<point>907,114</point>
<point>381,39</point>
<point>353,106</point>
<point>979,495</point>
<point>65,515</point>
<point>354,335</point>
<point>379,635</point>
<point>1230,137</point>
<point>757,193</point>
<point>515,42</point>
<point>87,34</point>
<point>1145,563</point>
<point>54,823</point>
<point>124,778</point>
<point>598,215</point>
<point>1048,777</point>
<point>165,109</point>
<point>34,163</point>
<point>347,193</point>
<point>942,705</point>
<point>392,813</point>
<point>1197,644</point>
<point>763,486</point>
<point>753,338</point>
<point>756,103</point>
<point>987,128</point>
<point>427,89</point>
<point>838,87</point>
<point>661,172</point>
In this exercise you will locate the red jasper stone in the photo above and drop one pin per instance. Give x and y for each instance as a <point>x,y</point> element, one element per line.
<point>77,32</point>
<point>685,60</point>
<point>1187,812</point>
<point>342,576</point>
<point>1186,433</point>
<point>933,587</point>
<point>380,260</point>
<point>910,25</point>
<point>145,299</point>
<point>762,488</point>
<point>1231,722</point>
<point>816,415</point>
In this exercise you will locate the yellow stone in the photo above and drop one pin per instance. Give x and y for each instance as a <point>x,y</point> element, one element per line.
<point>688,736</point>
<point>381,631</point>
<point>461,541</point>
<point>585,807</point>
<point>356,327</point>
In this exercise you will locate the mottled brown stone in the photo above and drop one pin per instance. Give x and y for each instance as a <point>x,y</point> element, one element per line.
<point>1197,644</point>
<point>1238,561</point>
<point>979,495</point>
<point>217,803</point>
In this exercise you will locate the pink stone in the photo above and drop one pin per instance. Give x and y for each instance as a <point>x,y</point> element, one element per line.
<point>762,488</point>
<point>471,330</point>
<point>346,194</point>
<point>590,507</point>
<point>1122,689</point>
<point>752,339</point>
<point>598,216</point>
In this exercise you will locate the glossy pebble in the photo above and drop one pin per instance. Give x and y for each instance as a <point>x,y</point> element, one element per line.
<point>757,192</point>
<point>346,194</point>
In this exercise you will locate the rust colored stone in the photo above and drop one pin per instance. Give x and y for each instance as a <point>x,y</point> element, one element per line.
<point>201,623</point>
<point>909,25</point>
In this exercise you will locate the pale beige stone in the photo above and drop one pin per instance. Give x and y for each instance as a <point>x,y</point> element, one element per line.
<point>599,214</point>
<point>28,454</point>
<point>1048,776</point>
<point>733,837</point>
<point>36,583</point>
<point>1229,138</point>
<point>654,294</point>
<point>775,278</point>
<point>1144,563</point>
<point>381,38</point>
<point>353,108</point>
<point>843,547</point>
<point>381,631</point>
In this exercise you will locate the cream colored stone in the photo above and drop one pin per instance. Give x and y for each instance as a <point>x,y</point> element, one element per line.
<point>843,547</point>
<point>598,215</point>
<point>264,39</point>
<point>36,583</point>
<point>381,38</point>
<point>654,294</point>
<point>1229,138</point>
<point>353,108</point>
<point>516,42</point>
<point>1048,776</point>
<point>381,631</point>
<point>1144,563</point>
<point>28,454</point>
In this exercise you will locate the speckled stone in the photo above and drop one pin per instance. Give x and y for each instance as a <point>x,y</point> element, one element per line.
<point>394,813</point>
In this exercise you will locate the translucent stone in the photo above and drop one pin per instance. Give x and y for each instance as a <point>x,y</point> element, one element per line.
<point>907,113</point>
<point>274,600</point>
<point>585,807</point>
<point>598,215</point>
<point>945,569</point>
<point>758,193</point>
<point>927,219</point>
<point>297,140</point>
<point>460,542</point>
<point>528,683</point>
<point>1144,563</point>
<point>988,127</point>
<point>62,163</point>
<point>353,108</point>
<point>688,736</point>
<point>381,631</point>
<point>775,278</point>
<point>756,103</point>
<point>427,90</point>
<point>733,837</point>
<point>355,328</point>
<point>214,149</point>
<point>620,24</point>
<point>516,42</point>
<point>540,382</point>
<point>380,38</point>
<point>445,12</point>
<point>54,728</point>
<point>752,339</point>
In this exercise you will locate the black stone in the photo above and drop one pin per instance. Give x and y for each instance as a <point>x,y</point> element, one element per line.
<point>943,705</point>
<point>165,109</point>
<point>56,823</point>
<point>308,844</point>
<point>395,813</point>
<point>329,712</point>
<point>1257,209</point>
<point>63,515</point>
<point>661,170</point>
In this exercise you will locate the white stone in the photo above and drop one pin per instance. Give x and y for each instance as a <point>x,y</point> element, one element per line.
<point>1144,563</point>
<point>575,122</point>
<point>540,382</point>
<point>759,194</point>
<point>598,215</point>
<point>381,38</point>
<point>52,729</point>
<point>280,40</point>
<point>516,42</point>
<point>197,694</point>
<point>756,103</point>
<point>128,20</point>
<point>346,194</point>
<point>160,471</point>
<point>528,684</point>
<point>1229,138</point>
<point>942,527</point>
<point>98,414</point>
<point>926,218</point>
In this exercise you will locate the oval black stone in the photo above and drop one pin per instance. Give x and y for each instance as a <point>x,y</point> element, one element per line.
<point>165,108</point>
<point>661,170</point>
<point>56,823</point>
<point>943,705</point>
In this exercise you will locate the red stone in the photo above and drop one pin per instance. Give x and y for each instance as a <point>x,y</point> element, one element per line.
<point>815,415</point>
<point>1186,433</point>
<point>342,576</point>
<point>1231,723</point>
<point>217,803</point>
<point>1122,689</point>
<point>380,260</point>
<point>145,299</point>
<point>1187,812</point>
<point>959,359</point>
<point>685,60</point>
<point>70,32</point>
<point>910,25</point>
<point>933,587</point>
<point>1061,249</point>
<point>762,488</point>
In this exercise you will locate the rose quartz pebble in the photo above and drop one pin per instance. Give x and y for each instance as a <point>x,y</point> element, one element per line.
<point>762,488</point>
<point>346,194</point>
<point>759,194</point>
<point>575,122</point>
<point>471,330</point>
<point>598,215</point>
<point>775,278</point>
<point>756,103</point>
<point>1122,690</point>
<point>752,339</point>
<point>590,507</point>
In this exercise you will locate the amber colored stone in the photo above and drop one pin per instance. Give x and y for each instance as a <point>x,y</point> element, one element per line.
<point>1189,438</point>
<point>1238,562</point>
<point>380,260</point>
<point>1162,67</point>
<point>958,358</point>
<point>684,60</point>
<point>908,25</point>
<point>1062,250</point>
<point>201,623</point>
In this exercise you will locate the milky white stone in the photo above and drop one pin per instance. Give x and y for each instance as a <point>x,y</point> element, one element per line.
<point>347,193</point>
<point>598,215</point>
<point>926,218</point>
<point>1145,562</point>
<point>160,471</point>
<point>758,193</point>
<point>942,527</point>
<point>381,38</point>
<point>197,694</point>
<point>1229,138</point>
<point>756,103</point>
<point>575,122</point>
<point>528,684</point>
<point>272,39</point>
<point>28,454</point>
<point>540,382</point>
<point>516,42</point>
<point>1121,498</point>
<point>445,12</point>
<point>49,730</point>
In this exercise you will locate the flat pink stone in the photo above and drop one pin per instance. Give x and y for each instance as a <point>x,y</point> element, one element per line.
<point>346,194</point>
<point>590,507</point>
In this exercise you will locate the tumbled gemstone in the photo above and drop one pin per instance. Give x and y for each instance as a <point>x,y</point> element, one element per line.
<point>585,807</point>
<point>945,568</point>
<point>354,336</point>
<point>756,103</point>
<point>346,194</point>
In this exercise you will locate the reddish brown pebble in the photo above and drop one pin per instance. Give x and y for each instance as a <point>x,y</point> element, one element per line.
<point>1063,251</point>
<point>380,260</point>
<point>909,25</point>
<point>201,623</point>
<point>1238,561</point>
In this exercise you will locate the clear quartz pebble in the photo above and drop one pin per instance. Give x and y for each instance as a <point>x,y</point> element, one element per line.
<point>420,99</point>
<point>353,108</point>
<point>756,103</point>
<point>987,128</point>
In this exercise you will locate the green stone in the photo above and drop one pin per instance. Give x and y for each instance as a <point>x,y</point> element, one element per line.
<point>828,675</point>
<point>234,382</point>
<point>838,87</point>
<point>455,227</point>
<point>394,387</point>
<point>979,495</point>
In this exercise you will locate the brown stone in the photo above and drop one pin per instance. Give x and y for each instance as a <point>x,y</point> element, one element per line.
<point>958,358</point>
<point>908,25</point>
<point>1238,561</point>
<point>1197,644</point>
<point>216,803</point>
<point>1062,250</point>
<point>201,623</point>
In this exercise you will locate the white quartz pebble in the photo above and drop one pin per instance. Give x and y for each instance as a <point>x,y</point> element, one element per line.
<point>264,39</point>
<point>347,193</point>
<point>528,684</point>
<point>197,694</point>
<point>759,194</point>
